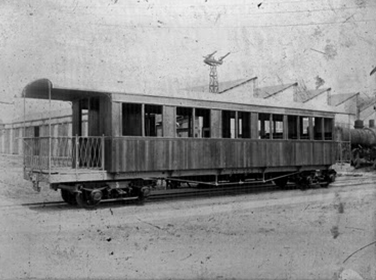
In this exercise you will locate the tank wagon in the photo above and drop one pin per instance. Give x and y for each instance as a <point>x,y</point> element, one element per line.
<point>362,142</point>
<point>133,139</point>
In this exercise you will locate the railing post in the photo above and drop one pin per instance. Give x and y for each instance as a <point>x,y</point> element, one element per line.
<point>102,162</point>
<point>49,154</point>
<point>49,130</point>
<point>76,152</point>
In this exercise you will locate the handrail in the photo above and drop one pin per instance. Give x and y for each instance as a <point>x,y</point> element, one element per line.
<point>78,152</point>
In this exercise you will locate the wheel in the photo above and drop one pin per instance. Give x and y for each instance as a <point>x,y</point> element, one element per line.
<point>281,182</point>
<point>330,178</point>
<point>68,197</point>
<point>139,193</point>
<point>88,201</point>
<point>172,185</point>
<point>304,183</point>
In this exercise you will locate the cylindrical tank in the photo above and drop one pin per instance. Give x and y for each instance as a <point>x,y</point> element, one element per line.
<point>365,137</point>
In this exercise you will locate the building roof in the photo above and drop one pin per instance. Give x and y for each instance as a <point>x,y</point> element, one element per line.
<point>338,99</point>
<point>266,92</point>
<point>43,89</point>
<point>364,102</point>
<point>223,86</point>
<point>373,71</point>
<point>306,95</point>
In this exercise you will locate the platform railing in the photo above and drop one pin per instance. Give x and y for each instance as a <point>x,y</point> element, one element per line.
<point>76,152</point>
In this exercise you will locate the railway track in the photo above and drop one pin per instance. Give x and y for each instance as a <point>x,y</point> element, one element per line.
<point>162,195</point>
<point>195,192</point>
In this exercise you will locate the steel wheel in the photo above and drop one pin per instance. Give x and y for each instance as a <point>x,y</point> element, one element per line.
<point>68,197</point>
<point>85,201</point>
<point>281,182</point>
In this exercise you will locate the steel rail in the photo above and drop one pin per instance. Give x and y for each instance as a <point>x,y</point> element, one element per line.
<point>183,193</point>
<point>158,195</point>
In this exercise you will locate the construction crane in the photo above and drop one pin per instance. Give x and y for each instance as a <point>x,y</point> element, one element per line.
<point>213,75</point>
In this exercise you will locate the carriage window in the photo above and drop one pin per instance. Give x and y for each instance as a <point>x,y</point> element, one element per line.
<point>84,126</point>
<point>317,128</point>
<point>328,129</point>
<point>36,144</point>
<point>202,123</point>
<point>84,116</point>
<point>277,126</point>
<point>184,122</point>
<point>153,120</point>
<point>304,128</point>
<point>132,125</point>
<point>292,127</point>
<point>244,120</point>
<point>36,131</point>
<point>264,126</point>
<point>228,124</point>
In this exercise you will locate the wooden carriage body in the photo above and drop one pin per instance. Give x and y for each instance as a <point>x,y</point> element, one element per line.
<point>136,136</point>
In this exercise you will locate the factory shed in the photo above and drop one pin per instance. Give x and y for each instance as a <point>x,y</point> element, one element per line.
<point>343,99</point>
<point>245,85</point>
<point>317,96</point>
<point>346,102</point>
<point>366,107</point>
<point>285,91</point>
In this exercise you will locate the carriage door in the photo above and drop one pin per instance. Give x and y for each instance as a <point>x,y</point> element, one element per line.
<point>87,129</point>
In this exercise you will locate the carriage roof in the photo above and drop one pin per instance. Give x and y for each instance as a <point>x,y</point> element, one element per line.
<point>45,89</point>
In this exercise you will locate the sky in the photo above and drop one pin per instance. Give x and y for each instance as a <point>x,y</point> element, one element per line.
<point>141,45</point>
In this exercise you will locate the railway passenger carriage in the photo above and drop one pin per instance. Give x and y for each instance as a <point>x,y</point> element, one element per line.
<point>132,139</point>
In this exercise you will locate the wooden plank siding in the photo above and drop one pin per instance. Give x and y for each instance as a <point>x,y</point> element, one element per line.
<point>136,154</point>
<point>169,123</point>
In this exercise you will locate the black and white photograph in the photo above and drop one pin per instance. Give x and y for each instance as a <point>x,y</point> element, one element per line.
<point>191,139</point>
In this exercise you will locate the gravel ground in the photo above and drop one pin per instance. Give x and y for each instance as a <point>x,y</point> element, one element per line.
<point>278,235</point>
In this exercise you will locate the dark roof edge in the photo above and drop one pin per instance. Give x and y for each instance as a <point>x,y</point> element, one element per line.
<point>287,86</point>
<point>373,71</point>
<point>348,98</point>
<point>321,92</point>
<point>238,85</point>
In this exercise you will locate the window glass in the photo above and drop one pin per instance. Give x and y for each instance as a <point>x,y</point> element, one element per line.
<point>228,124</point>
<point>35,143</point>
<point>184,122</point>
<point>36,131</point>
<point>304,128</point>
<point>84,113</point>
<point>244,119</point>
<point>132,120</point>
<point>292,127</point>
<point>328,129</point>
<point>317,128</point>
<point>277,126</point>
<point>84,124</point>
<point>202,123</point>
<point>153,120</point>
<point>264,126</point>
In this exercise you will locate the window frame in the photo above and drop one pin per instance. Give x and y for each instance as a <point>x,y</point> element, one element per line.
<point>140,131</point>
<point>191,121</point>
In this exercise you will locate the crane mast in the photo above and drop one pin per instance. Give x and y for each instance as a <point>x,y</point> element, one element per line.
<point>213,74</point>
